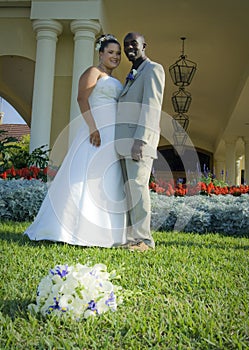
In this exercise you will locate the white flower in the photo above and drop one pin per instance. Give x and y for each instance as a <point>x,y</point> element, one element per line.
<point>104,38</point>
<point>134,72</point>
<point>102,306</point>
<point>97,47</point>
<point>45,286</point>
<point>66,301</point>
<point>77,291</point>
<point>88,313</point>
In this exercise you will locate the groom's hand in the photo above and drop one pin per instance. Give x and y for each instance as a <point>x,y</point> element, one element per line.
<point>137,150</point>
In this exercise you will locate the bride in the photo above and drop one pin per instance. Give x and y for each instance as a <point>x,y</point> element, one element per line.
<point>85,204</point>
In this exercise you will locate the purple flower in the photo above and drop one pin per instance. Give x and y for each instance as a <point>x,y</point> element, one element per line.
<point>179,180</point>
<point>131,75</point>
<point>59,271</point>
<point>111,301</point>
<point>92,306</point>
<point>206,171</point>
<point>56,306</point>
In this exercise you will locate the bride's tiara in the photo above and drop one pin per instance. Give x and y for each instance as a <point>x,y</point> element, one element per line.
<point>105,37</point>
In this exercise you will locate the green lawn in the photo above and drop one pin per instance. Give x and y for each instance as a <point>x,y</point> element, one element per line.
<point>192,292</point>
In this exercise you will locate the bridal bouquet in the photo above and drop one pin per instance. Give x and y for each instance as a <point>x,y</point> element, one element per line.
<point>77,291</point>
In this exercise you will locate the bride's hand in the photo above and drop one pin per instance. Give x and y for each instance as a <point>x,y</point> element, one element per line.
<point>95,139</point>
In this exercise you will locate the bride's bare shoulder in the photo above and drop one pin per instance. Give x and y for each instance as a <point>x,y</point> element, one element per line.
<point>91,73</point>
<point>92,70</point>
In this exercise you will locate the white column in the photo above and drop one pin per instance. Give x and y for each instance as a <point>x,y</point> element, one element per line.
<point>230,162</point>
<point>238,172</point>
<point>46,35</point>
<point>246,177</point>
<point>219,169</point>
<point>1,117</point>
<point>84,43</point>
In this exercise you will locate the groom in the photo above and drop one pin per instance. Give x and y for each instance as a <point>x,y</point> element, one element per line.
<point>137,136</point>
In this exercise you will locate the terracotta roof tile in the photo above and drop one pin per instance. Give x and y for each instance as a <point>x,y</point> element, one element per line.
<point>14,130</point>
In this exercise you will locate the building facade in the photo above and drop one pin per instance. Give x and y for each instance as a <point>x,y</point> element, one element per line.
<point>46,45</point>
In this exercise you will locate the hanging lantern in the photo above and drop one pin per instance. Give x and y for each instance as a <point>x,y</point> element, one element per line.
<point>180,122</point>
<point>179,138</point>
<point>183,70</point>
<point>181,100</point>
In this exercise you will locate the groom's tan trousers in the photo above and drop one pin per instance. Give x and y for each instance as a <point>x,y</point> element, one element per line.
<point>136,177</point>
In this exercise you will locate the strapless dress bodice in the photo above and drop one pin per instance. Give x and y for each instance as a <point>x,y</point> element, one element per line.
<point>106,91</point>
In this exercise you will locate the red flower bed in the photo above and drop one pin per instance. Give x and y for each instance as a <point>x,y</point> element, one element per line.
<point>160,187</point>
<point>29,173</point>
<point>181,190</point>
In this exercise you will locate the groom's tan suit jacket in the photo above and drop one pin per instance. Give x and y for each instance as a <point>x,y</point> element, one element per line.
<point>139,110</point>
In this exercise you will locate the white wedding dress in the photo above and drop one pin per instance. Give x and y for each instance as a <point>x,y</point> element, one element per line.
<point>85,204</point>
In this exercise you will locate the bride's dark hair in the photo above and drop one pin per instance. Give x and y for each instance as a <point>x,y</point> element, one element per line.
<point>104,40</point>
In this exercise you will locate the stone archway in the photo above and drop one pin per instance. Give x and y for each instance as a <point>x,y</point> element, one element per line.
<point>16,83</point>
<point>182,167</point>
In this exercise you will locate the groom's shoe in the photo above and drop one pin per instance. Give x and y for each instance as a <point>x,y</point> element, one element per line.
<point>126,245</point>
<point>140,247</point>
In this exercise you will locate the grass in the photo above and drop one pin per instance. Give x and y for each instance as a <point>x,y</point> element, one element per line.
<point>192,292</point>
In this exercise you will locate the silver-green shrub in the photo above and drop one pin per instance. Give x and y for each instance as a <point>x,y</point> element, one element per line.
<point>20,200</point>
<point>222,214</point>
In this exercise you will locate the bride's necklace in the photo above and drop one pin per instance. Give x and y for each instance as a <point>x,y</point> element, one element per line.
<point>104,70</point>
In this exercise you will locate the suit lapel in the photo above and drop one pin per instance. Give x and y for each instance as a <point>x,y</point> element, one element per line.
<point>126,87</point>
<point>130,82</point>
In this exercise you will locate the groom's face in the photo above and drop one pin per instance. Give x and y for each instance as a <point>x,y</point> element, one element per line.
<point>134,47</point>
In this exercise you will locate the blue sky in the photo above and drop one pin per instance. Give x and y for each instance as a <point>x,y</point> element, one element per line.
<point>11,116</point>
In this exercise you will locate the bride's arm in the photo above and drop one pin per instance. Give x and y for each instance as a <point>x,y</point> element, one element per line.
<point>87,82</point>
